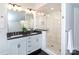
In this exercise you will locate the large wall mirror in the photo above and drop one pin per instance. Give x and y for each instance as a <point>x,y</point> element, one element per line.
<point>19,19</point>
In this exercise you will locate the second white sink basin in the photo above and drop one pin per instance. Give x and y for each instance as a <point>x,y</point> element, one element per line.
<point>33,33</point>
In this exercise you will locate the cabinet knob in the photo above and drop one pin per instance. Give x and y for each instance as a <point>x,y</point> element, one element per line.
<point>18,45</point>
<point>37,40</point>
<point>29,41</point>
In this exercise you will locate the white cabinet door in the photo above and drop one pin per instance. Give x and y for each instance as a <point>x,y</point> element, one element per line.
<point>22,46</point>
<point>33,43</point>
<point>17,46</point>
<point>36,42</point>
<point>13,47</point>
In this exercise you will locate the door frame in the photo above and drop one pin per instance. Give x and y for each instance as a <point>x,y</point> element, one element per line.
<point>63,33</point>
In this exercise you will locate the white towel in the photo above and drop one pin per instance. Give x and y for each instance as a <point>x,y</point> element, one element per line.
<point>70,41</point>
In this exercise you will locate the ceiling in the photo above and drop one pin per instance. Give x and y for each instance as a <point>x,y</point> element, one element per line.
<point>34,6</point>
<point>42,7</point>
<point>47,7</point>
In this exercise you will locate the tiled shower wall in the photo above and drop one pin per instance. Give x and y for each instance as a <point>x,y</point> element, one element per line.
<point>54,32</point>
<point>51,22</point>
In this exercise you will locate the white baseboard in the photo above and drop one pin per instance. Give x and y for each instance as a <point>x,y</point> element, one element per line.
<point>48,51</point>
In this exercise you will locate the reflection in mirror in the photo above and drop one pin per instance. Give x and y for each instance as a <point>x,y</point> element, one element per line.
<point>16,16</point>
<point>18,19</point>
<point>28,21</point>
<point>14,19</point>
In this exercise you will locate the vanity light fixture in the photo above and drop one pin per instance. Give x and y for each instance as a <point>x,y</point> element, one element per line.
<point>30,11</point>
<point>19,9</point>
<point>16,7</point>
<point>10,6</point>
<point>27,11</point>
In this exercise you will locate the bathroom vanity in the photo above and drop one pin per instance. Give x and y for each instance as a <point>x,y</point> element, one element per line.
<point>24,43</point>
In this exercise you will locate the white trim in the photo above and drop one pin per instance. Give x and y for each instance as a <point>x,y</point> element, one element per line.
<point>44,48</point>
<point>63,38</point>
<point>44,39</point>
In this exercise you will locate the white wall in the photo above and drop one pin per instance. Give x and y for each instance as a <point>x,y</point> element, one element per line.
<point>3,28</point>
<point>54,31</point>
<point>41,22</point>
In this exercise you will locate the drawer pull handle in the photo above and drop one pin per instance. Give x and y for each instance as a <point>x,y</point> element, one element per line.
<point>29,45</point>
<point>29,51</point>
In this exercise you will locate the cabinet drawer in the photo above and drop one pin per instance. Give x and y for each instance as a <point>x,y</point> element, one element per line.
<point>29,49</point>
<point>12,47</point>
<point>33,43</point>
<point>22,46</point>
<point>29,41</point>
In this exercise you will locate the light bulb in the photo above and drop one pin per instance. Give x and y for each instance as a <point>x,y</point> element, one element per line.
<point>14,8</point>
<point>27,11</point>
<point>10,6</point>
<point>19,9</point>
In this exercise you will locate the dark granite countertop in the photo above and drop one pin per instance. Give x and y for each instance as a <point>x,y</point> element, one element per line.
<point>23,34</point>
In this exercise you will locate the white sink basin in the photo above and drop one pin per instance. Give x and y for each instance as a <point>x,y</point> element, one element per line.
<point>16,36</point>
<point>33,33</point>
